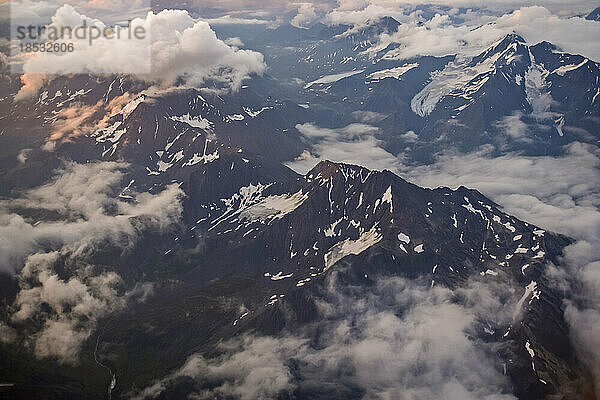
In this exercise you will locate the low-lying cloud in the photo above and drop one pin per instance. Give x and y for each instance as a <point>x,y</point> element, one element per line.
<point>557,193</point>
<point>398,337</point>
<point>306,15</point>
<point>83,214</point>
<point>354,143</point>
<point>441,36</point>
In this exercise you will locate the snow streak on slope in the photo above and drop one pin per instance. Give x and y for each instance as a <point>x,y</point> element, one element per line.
<point>332,78</point>
<point>349,246</point>
<point>396,72</point>
<point>274,207</point>
<point>461,76</point>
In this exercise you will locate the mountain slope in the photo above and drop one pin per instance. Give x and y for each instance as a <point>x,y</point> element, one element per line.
<point>514,96</point>
<point>284,242</point>
<point>274,245</point>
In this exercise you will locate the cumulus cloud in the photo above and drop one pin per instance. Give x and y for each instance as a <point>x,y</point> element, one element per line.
<point>368,117</point>
<point>559,6</point>
<point>251,368</point>
<point>437,36</point>
<point>358,11</point>
<point>397,337</point>
<point>22,156</point>
<point>31,85</point>
<point>558,193</point>
<point>84,196</point>
<point>179,48</point>
<point>40,12</point>
<point>59,339</point>
<point>440,35</point>
<point>59,284</point>
<point>306,15</point>
<point>234,41</point>
<point>514,126</point>
<point>246,7</point>
<point>354,143</point>
<point>171,48</point>
<point>69,307</point>
<point>537,24</point>
<point>243,11</point>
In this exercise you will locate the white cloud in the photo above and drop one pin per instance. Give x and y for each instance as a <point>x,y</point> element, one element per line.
<point>82,195</point>
<point>557,193</point>
<point>234,41</point>
<point>537,24</point>
<point>88,215</point>
<point>306,15</point>
<point>354,143</point>
<point>174,47</point>
<point>410,137</point>
<point>399,337</point>
<point>440,36</point>
<point>347,14</point>
<point>368,117</point>
<point>561,194</point>
<point>253,368</point>
<point>230,20</point>
<point>514,127</point>
<point>22,156</point>
<point>40,12</point>
<point>59,339</point>
<point>358,11</point>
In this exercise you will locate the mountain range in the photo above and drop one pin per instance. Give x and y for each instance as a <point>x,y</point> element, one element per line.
<point>262,256</point>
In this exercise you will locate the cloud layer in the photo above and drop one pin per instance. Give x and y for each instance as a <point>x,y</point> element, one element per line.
<point>441,35</point>
<point>560,193</point>
<point>59,285</point>
<point>354,143</point>
<point>397,337</point>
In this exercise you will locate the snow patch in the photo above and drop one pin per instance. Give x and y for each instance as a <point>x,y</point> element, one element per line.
<point>349,246</point>
<point>393,72</point>
<point>332,78</point>
<point>404,238</point>
<point>273,207</point>
<point>194,122</point>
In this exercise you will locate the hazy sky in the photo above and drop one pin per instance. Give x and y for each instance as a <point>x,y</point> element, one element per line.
<point>271,9</point>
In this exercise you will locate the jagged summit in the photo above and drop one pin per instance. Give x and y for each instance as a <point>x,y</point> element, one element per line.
<point>326,168</point>
<point>389,24</point>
